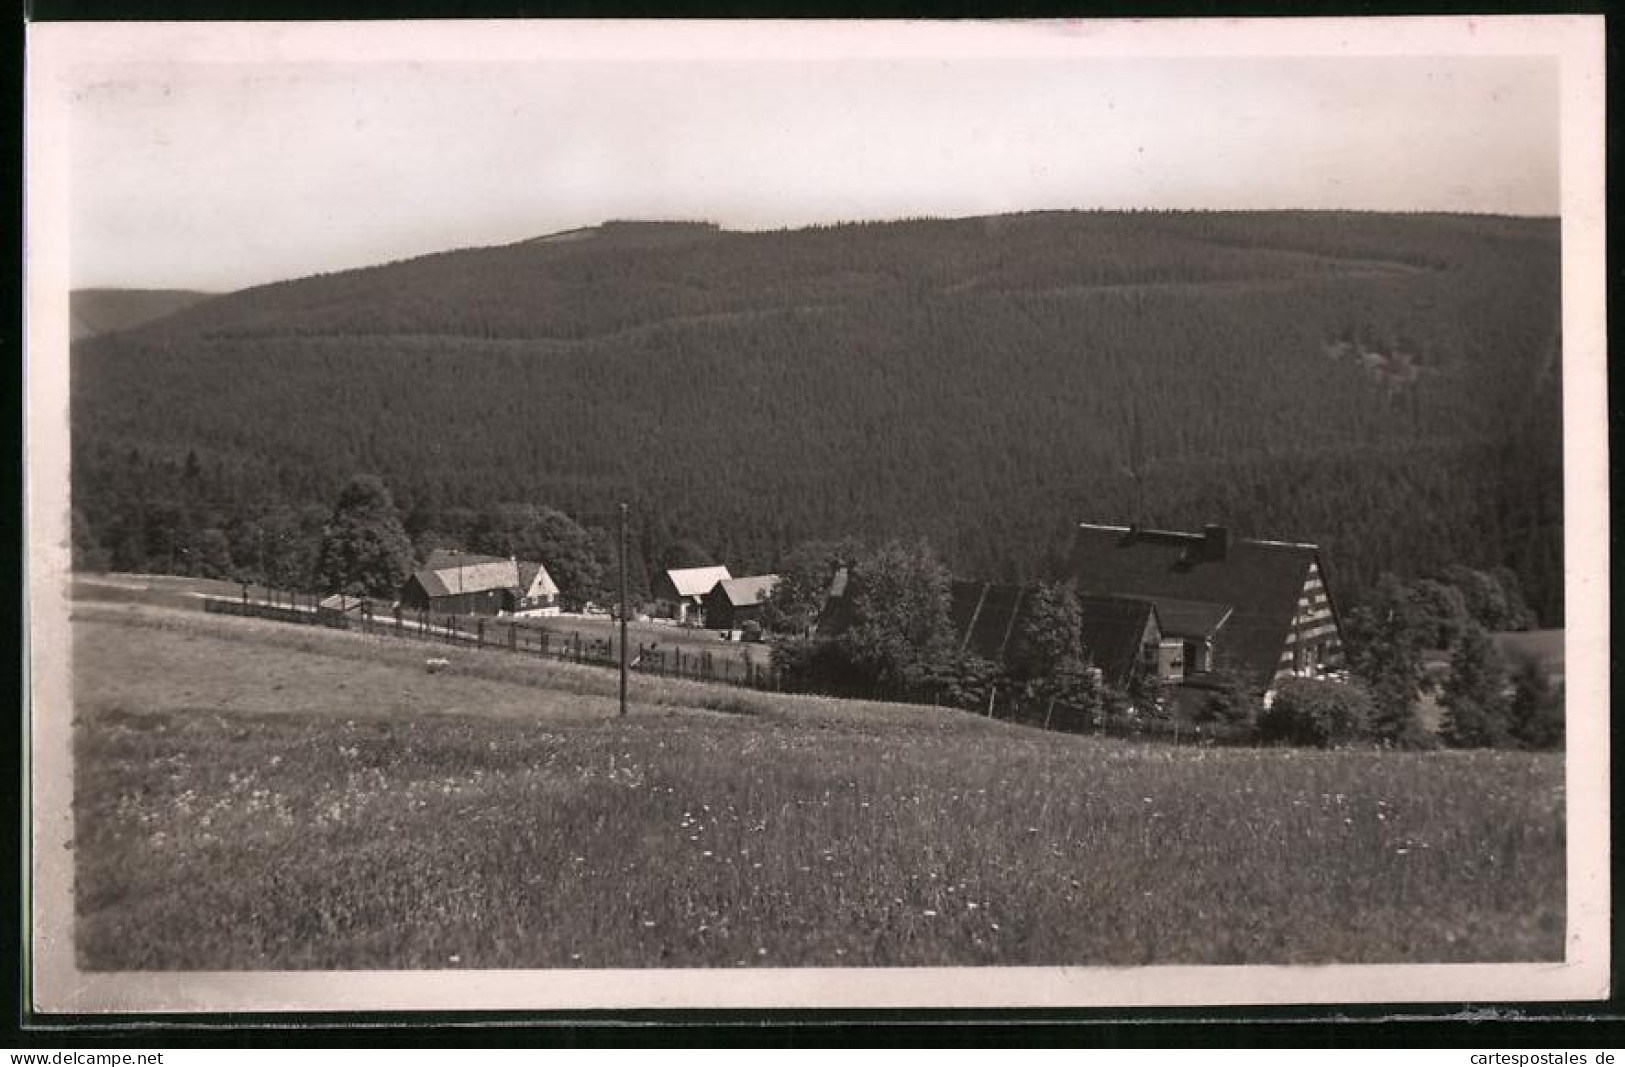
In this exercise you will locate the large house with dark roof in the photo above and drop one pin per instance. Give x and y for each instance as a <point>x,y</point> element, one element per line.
<point>462,583</point>
<point>1178,606</point>
<point>1260,607</point>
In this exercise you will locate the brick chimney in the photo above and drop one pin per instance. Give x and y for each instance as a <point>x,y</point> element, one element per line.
<point>1215,542</point>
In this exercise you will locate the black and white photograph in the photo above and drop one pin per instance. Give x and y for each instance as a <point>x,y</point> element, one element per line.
<point>615,515</point>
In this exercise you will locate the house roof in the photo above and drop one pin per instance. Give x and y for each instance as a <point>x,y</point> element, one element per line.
<point>987,616</point>
<point>697,581</point>
<point>1189,618</point>
<point>744,592</point>
<point>1260,582</point>
<point>342,602</point>
<point>1113,628</point>
<point>534,581</point>
<point>834,615</point>
<point>447,573</point>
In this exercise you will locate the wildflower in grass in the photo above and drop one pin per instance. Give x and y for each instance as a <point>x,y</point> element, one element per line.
<point>930,913</point>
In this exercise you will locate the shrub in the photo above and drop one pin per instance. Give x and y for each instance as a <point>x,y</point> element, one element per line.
<point>1232,702</point>
<point>963,680</point>
<point>751,630</point>
<point>1308,711</point>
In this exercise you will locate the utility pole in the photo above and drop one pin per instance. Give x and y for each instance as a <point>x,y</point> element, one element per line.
<point>623,608</point>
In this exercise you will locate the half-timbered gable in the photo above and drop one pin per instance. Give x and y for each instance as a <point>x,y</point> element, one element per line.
<point>1314,642</point>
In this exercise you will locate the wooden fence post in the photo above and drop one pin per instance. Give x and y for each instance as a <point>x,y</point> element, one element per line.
<point>513,638</point>
<point>479,633</point>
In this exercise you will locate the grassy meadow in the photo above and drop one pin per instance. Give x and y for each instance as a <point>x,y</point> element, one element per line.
<point>255,795</point>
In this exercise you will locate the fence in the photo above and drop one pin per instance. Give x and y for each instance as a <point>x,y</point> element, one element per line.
<point>505,634</point>
<point>532,638</point>
<point>1130,724</point>
<point>280,605</point>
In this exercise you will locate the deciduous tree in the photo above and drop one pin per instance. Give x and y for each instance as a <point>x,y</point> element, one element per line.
<point>364,549</point>
<point>898,596</point>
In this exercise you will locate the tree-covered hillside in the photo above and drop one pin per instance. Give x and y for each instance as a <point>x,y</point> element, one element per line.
<point>1386,385</point>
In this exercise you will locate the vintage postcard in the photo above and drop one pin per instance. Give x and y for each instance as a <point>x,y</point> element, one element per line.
<point>612,515</point>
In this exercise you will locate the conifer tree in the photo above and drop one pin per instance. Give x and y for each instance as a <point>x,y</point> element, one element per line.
<point>1477,712</point>
<point>1536,710</point>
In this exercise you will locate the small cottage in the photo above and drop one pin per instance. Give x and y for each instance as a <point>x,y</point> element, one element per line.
<point>733,602</point>
<point>464,583</point>
<point>680,594</point>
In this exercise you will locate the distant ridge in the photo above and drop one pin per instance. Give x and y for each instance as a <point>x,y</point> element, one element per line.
<point>639,228</point>
<point>98,311</point>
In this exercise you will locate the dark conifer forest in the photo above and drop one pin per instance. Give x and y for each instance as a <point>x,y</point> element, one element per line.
<point>1385,385</point>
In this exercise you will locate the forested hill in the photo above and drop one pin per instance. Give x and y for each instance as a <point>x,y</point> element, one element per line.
<point>1386,385</point>
<point>98,311</point>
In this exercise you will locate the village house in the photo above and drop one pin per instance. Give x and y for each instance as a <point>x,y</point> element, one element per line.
<point>1118,635</point>
<point>1121,635</point>
<point>1259,607</point>
<point>680,594</point>
<point>462,583</point>
<point>733,602</point>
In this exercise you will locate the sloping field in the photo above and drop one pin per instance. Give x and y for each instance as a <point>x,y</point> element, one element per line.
<point>251,795</point>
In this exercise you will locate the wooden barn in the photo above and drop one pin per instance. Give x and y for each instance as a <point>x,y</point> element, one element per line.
<point>680,594</point>
<point>462,583</point>
<point>1262,607</point>
<point>732,602</point>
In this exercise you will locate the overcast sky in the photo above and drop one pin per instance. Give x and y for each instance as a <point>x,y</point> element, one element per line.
<point>219,176</point>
